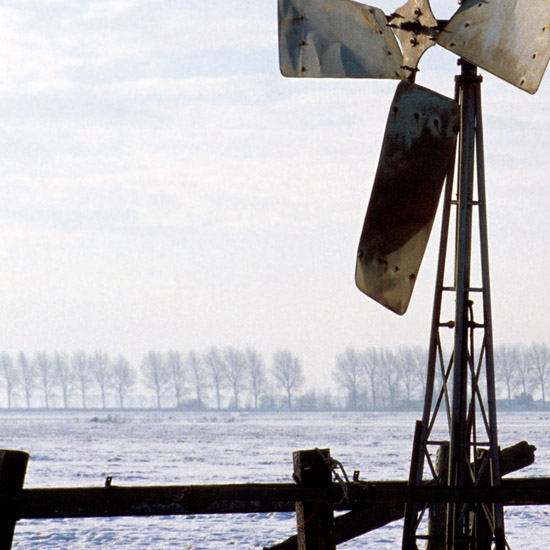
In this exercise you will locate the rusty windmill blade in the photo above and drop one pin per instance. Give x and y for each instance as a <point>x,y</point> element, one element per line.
<point>337,39</point>
<point>509,38</point>
<point>418,147</point>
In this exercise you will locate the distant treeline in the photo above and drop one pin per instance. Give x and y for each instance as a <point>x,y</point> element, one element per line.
<point>374,378</point>
<point>218,378</point>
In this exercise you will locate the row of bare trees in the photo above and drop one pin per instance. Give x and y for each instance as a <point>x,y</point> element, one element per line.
<point>523,372</point>
<point>372,378</point>
<point>228,377</point>
<point>382,378</point>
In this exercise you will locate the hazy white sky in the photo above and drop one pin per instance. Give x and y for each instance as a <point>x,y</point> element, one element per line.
<point>164,187</point>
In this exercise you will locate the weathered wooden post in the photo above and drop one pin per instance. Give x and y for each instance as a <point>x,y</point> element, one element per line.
<point>315,521</point>
<point>438,511</point>
<point>13,467</point>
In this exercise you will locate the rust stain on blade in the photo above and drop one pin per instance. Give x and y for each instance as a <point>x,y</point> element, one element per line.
<point>418,147</point>
<point>509,38</point>
<point>416,27</point>
<point>336,39</point>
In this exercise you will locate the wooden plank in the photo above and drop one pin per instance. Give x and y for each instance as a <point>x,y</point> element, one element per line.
<point>244,499</point>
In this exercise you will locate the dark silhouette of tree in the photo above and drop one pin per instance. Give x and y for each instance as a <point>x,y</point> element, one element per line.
<point>539,358</point>
<point>44,368</point>
<point>154,374</point>
<point>411,362</point>
<point>506,361</point>
<point>196,369</point>
<point>349,374</point>
<point>124,378</point>
<point>390,374</point>
<point>235,370</point>
<point>214,364</point>
<point>82,373</point>
<point>175,372</point>
<point>9,376</point>
<point>287,371</point>
<point>100,368</point>
<point>63,376</point>
<point>414,360</point>
<point>524,370</point>
<point>28,377</point>
<point>370,364</point>
<point>257,380</point>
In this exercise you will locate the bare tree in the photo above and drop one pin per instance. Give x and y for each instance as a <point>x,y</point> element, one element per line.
<point>80,366</point>
<point>415,358</point>
<point>44,367</point>
<point>506,361</point>
<point>524,370</point>
<point>235,370</point>
<point>213,362</point>
<point>196,369</point>
<point>63,376</point>
<point>100,367</point>
<point>390,374</point>
<point>287,371</point>
<point>411,361</point>
<point>256,374</point>
<point>124,378</point>
<point>370,364</point>
<point>9,375</point>
<point>28,376</point>
<point>348,374</point>
<point>154,374</point>
<point>539,357</point>
<point>175,373</point>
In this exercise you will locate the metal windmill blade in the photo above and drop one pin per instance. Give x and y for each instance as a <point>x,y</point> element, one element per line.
<point>343,38</point>
<point>346,39</point>
<point>336,39</point>
<point>509,38</point>
<point>418,147</point>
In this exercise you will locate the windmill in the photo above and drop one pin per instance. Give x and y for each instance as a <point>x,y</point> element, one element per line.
<point>510,39</point>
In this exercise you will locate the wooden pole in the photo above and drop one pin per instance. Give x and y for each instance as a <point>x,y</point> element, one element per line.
<point>13,467</point>
<point>315,520</point>
<point>438,511</point>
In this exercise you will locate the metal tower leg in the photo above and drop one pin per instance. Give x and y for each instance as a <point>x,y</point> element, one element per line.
<point>465,386</point>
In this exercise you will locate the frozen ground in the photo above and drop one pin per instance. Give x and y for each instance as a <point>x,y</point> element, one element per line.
<point>147,448</point>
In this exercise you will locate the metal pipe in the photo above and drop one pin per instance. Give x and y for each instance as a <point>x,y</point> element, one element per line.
<point>458,460</point>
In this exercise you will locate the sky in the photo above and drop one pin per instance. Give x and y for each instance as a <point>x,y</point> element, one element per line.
<point>164,187</point>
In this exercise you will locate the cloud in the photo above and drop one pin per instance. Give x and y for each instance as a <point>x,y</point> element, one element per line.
<point>160,179</point>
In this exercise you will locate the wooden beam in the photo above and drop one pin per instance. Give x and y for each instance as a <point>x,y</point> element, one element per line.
<point>257,498</point>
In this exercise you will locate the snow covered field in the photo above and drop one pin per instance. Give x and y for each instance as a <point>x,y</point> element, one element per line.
<point>81,448</point>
